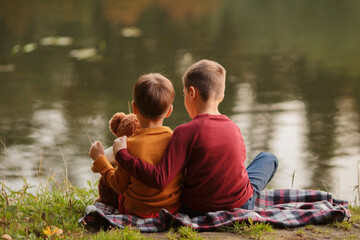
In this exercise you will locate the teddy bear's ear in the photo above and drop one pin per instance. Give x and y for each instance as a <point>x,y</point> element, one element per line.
<point>115,122</point>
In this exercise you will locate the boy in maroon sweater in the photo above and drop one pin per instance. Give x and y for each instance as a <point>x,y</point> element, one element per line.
<point>209,149</point>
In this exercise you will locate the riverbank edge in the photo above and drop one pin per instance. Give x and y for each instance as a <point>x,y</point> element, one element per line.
<point>53,210</point>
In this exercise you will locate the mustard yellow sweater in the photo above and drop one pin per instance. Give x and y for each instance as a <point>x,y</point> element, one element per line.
<point>148,144</point>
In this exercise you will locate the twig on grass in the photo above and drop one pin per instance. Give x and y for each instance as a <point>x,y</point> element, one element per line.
<point>129,106</point>
<point>358,180</point>
<point>66,172</point>
<point>39,173</point>
<point>89,137</point>
<point>5,153</point>
<point>292,179</point>
<point>4,195</point>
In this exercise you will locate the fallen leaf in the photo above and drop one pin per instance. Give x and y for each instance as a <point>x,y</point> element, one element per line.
<point>58,232</point>
<point>6,237</point>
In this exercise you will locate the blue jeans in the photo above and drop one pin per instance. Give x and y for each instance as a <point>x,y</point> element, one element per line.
<point>260,171</point>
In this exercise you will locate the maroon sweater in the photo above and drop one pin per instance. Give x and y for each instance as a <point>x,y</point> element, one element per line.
<point>211,151</point>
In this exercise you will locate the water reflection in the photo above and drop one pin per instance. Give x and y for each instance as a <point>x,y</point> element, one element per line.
<point>293,79</point>
<point>279,127</point>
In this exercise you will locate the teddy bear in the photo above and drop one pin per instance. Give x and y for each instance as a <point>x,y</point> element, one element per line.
<point>120,124</point>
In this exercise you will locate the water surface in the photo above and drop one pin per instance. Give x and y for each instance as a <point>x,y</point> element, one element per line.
<point>293,80</point>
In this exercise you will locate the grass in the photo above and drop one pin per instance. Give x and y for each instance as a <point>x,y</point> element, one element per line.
<point>115,234</point>
<point>52,210</point>
<point>250,229</point>
<point>300,232</point>
<point>317,229</point>
<point>183,233</point>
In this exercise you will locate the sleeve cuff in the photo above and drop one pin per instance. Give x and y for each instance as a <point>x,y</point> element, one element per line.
<point>102,164</point>
<point>124,159</point>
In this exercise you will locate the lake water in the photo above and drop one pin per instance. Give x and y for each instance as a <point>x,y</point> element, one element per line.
<point>293,80</point>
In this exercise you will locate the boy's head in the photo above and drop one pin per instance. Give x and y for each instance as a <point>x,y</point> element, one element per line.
<point>153,95</point>
<point>208,77</point>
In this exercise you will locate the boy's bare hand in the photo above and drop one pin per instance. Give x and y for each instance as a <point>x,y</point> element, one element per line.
<point>119,143</point>
<point>96,150</point>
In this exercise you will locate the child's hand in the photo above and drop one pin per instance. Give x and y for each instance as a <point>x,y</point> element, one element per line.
<point>96,150</point>
<point>119,143</point>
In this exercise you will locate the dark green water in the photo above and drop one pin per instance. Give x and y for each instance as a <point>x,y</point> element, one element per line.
<point>293,80</point>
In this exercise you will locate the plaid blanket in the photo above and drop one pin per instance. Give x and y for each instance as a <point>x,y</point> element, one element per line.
<point>281,208</point>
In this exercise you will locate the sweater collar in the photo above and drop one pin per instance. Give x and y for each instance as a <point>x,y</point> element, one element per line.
<point>155,130</point>
<point>212,116</point>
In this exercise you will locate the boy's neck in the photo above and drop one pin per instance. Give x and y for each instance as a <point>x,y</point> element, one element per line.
<point>209,107</point>
<point>149,123</point>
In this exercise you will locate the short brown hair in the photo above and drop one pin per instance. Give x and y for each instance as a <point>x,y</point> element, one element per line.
<point>208,77</point>
<point>153,94</point>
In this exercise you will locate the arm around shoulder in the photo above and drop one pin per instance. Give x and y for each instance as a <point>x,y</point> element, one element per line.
<point>155,176</point>
<point>143,171</point>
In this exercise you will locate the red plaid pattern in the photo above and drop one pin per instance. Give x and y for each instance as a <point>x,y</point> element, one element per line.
<point>282,208</point>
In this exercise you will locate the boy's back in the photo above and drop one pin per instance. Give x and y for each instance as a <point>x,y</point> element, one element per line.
<point>216,177</point>
<point>149,144</point>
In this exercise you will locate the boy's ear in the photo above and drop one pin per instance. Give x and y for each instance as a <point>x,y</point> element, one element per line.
<point>192,92</point>
<point>135,109</point>
<point>222,98</point>
<point>169,111</point>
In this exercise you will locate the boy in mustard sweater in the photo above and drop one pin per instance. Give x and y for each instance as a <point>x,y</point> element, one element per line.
<point>153,96</point>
